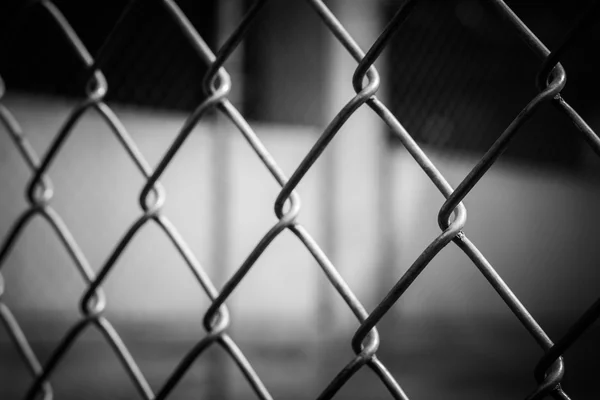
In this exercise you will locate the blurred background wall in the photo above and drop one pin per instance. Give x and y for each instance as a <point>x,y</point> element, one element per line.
<point>455,76</point>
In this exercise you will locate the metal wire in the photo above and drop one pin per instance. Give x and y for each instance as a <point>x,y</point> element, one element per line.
<point>365,343</point>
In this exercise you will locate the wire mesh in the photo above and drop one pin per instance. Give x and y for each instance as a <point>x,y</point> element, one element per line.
<point>366,82</point>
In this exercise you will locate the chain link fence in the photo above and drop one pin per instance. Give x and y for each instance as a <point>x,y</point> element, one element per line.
<point>452,217</point>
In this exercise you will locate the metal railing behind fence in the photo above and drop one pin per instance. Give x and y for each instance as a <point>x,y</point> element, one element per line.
<point>365,343</point>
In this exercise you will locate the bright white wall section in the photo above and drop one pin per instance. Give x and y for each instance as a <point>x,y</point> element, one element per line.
<point>537,227</point>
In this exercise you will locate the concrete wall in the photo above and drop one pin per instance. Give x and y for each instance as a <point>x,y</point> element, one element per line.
<point>97,189</point>
<point>535,226</point>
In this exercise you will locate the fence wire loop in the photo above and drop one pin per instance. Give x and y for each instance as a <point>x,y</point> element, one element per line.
<point>366,81</point>
<point>550,382</point>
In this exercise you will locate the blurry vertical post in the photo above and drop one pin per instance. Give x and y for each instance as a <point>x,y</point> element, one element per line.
<point>229,15</point>
<point>355,158</point>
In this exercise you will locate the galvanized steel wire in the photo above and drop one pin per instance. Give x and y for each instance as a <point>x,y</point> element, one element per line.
<point>452,216</point>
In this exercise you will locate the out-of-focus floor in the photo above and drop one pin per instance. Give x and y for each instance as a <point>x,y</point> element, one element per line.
<point>434,364</point>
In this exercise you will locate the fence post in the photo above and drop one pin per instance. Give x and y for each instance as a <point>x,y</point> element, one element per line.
<point>229,14</point>
<point>352,191</point>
